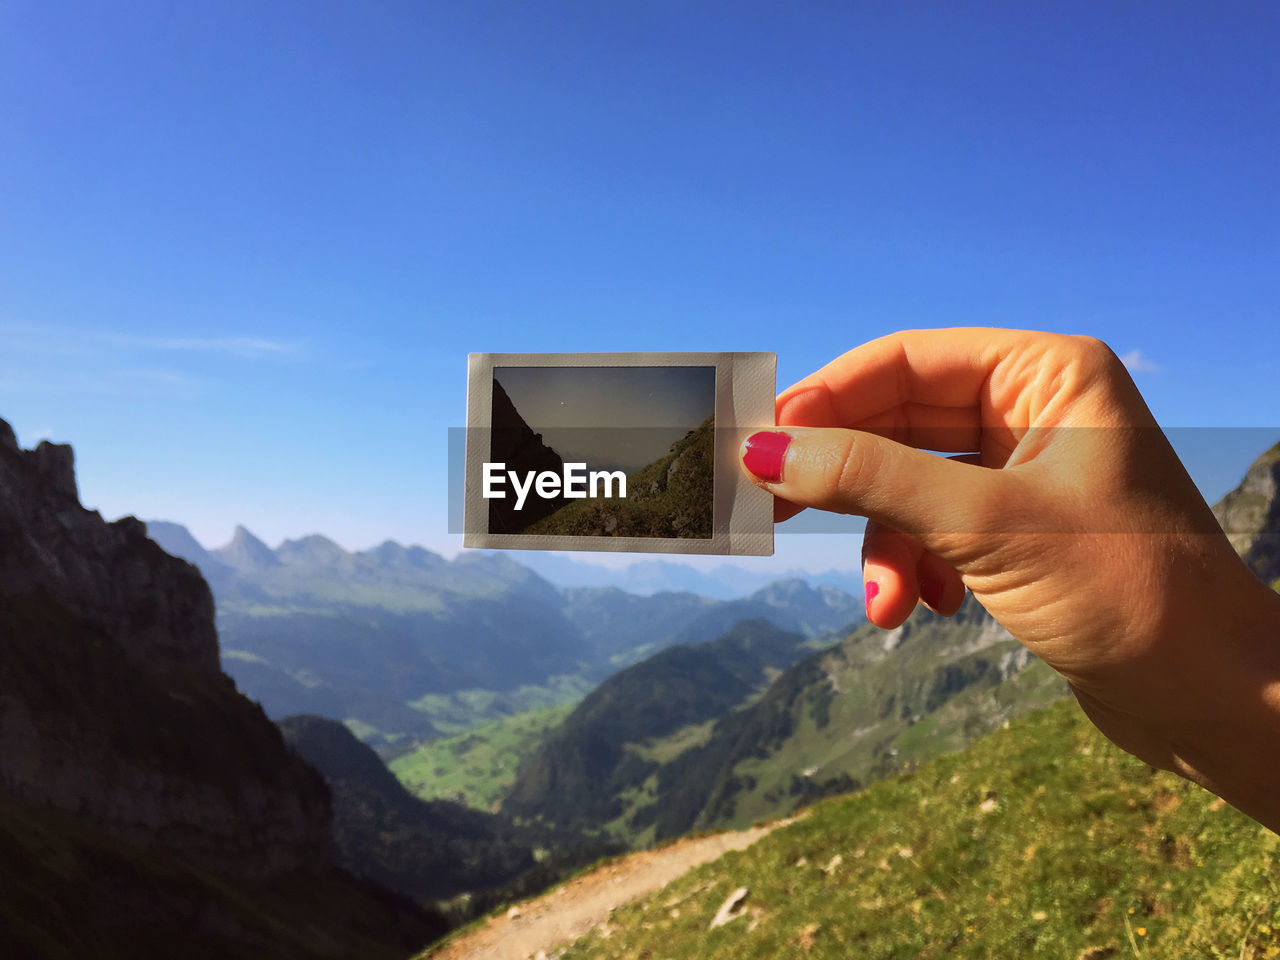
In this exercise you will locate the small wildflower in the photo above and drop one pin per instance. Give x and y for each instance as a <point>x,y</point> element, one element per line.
<point>1142,931</point>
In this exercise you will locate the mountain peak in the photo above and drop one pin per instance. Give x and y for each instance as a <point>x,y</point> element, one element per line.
<point>1250,514</point>
<point>311,549</point>
<point>246,553</point>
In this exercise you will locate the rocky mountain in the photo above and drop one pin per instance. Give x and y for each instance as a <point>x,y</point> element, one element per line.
<point>425,850</point>
<point>407,644</point>
<point>1250,514</point>
<point>135,778</point>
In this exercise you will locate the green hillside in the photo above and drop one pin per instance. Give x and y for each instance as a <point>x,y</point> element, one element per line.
<point>734,730</point>
<point>671,497</point>
<point>876,703</point>
<point>477,766</point>
<point>1041,840</point>
<point>594,769</point>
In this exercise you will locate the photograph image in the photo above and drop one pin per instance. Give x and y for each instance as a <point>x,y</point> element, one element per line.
<point>621,480</point>
<point>633,448</point>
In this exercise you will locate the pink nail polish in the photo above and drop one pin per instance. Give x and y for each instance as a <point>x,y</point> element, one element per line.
<point>764,454</point>
<point>931,592</point>
<point>873,589</point>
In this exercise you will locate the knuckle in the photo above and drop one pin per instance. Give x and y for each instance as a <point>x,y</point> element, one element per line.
<point>859,461</point>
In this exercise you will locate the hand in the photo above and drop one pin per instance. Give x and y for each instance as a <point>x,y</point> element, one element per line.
<point>1068,516</point>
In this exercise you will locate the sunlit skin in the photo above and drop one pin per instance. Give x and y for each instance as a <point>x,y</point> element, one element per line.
<point>1066,512</point>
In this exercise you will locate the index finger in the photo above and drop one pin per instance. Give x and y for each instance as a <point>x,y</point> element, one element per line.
<point>935,389</point>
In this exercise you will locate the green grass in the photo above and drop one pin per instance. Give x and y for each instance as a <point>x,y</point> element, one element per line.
<point>476,767</point>
<point>1041,840</point>
<point>469,709</point>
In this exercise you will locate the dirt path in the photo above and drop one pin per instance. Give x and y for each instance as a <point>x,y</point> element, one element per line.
<point>573,910</point>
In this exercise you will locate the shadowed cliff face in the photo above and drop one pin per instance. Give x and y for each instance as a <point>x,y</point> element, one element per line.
<point>150,809</point>
<point>153,607</point>
<point>513,442</point>
<point>112,704</point>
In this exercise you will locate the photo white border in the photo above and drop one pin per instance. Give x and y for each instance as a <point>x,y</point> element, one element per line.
<point>742,517</point>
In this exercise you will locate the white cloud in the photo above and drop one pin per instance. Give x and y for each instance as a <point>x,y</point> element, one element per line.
<point>250,347</point>
<point>1135,362</point>
<point>56,340</point>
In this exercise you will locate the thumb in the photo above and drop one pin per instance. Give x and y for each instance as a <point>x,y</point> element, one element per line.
<point>849,471</point>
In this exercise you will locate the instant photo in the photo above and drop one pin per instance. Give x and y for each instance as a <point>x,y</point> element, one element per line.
<point>616,452</point>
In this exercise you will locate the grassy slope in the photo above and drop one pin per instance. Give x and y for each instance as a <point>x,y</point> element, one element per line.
<point>671,497</point>
<point>476,767</point>
<point>1041,840</point>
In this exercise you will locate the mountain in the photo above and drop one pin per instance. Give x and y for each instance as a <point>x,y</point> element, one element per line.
<point>585,771</point>
<point>149,808</point>
<point>672,745</point>
<point>624,627</point>
<point>425,850</point>
<point>853,714</point>
<point>1250,514</point>
<point>725,581</point>
<point>513,443</point>
<point>671,497</point>
<point>406,645</point>
<point>1039,840</point>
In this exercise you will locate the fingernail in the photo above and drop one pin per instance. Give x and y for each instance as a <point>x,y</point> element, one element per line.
<point>873,589</point>
<point>931,592</point>
<point>764,453</point>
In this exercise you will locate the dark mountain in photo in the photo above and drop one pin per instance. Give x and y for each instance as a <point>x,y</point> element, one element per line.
<point>150,810</point>
<point>514,443</point>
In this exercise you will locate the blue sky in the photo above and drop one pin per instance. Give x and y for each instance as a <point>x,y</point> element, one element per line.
<point>245,248</point>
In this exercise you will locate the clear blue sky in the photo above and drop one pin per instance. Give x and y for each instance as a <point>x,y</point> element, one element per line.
<point>246,247</point>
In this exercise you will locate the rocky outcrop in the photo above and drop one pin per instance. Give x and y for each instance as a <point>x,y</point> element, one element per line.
<point>113,706</point>
<point>155,608</point>
<point>176,820</point>
<point>1250,514</point>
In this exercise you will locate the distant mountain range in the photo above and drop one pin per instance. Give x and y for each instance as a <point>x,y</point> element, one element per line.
<point>726,581</point>
<point>403,644</point>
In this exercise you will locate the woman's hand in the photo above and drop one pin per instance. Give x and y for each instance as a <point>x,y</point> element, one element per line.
<point>1070,518</point>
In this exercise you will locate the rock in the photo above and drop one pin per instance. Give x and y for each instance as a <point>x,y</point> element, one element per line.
<point>113,705</point>
<point>1250,514</point>
<point>834,862</point>
<point>731,909</point>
